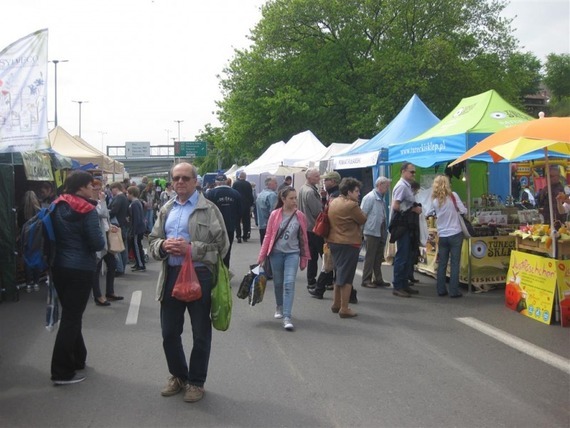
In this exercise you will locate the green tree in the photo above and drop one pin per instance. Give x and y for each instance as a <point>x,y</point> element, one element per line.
<point>557,77</point>
<point>345,68</point>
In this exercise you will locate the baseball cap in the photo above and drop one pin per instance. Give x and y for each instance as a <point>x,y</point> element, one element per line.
<point>221,177</point>
<point>333,175</point>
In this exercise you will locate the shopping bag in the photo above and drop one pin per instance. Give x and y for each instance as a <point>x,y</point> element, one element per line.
<point>266,266</point>
<point>389,251</point>
<point>52,309</point>
<point>243,289</point>
<point>187,288</point>
<point>257,288</point>
<point>221,311</point>
<point>328,264</point>
<point>115,242</point>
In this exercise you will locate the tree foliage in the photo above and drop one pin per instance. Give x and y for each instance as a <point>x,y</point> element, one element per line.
<point>557,76</point>
<point>345,68</point>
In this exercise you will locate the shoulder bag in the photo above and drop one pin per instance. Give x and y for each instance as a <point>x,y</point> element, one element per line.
<point>322,225</point>
<point>466,226</point>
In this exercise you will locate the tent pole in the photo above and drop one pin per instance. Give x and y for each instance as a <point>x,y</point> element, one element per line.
<point>468,182</point>
<point>550,207</point>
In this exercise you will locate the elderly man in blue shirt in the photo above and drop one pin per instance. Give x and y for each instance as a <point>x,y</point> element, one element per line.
<point>190,218</point>
<point>375,233</point>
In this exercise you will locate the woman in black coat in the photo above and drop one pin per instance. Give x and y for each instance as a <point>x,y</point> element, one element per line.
<point>78,238</point>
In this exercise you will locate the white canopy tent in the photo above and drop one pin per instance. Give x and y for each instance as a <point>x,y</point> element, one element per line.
<point>322,158</point>
<point>76,148</point>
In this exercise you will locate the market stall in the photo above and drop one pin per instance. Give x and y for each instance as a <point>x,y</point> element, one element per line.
<point>472,120</point>
<point>538,279</point>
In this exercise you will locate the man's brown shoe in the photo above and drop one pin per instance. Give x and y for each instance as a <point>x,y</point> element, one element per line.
<point>369,285</point>
<point>193,393</point>
<point>400,293</point>
<point>173,386</point>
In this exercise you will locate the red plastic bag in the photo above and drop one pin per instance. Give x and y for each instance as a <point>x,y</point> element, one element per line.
<point>187,287</point>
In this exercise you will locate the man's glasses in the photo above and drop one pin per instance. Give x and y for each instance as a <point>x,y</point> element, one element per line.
<point>182,177</point>
<point>412,172</point>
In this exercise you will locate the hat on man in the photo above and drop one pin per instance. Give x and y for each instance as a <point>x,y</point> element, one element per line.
<point>221,178</point>
<point>332,175</point>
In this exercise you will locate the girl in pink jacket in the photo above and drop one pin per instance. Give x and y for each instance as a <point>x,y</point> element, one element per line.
<point>286,245</point>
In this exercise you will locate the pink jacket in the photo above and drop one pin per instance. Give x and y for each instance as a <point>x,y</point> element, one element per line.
<point>272,230</point>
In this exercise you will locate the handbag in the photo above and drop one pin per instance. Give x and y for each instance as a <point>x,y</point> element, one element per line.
<point>115,242</point>
<point>466,226</point>
<point>187,288</point>
<point>221,310</point>
<point>322,224</point>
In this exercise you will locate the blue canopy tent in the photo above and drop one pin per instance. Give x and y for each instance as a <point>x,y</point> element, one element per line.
<point>473,119</point>
<point>412,120</point>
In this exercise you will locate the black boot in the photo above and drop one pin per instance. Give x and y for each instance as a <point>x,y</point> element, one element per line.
<point>320,287</point>
<point>353,298</point>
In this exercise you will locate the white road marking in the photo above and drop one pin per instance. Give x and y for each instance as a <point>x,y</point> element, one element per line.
<point>133,314</point>
<point>521,345</point>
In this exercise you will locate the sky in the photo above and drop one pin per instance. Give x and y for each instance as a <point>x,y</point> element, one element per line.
<point>139,66</point>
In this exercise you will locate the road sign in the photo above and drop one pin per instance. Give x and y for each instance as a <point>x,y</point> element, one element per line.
<point>190,148</point>
<point>137,149</point>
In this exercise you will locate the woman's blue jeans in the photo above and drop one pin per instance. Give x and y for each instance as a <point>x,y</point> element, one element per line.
<point>284,266</point>
<point>449,246</point>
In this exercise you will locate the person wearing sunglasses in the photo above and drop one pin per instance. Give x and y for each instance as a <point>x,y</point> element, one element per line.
<point>189,218</point>
<point>404,229</point>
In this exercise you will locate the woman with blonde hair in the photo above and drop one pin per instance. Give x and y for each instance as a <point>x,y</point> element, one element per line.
<point>448,207</point>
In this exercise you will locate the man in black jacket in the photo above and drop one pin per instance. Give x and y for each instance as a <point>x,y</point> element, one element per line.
<point>228,200</point>
<point>246,191</point>
<point>118,212</point>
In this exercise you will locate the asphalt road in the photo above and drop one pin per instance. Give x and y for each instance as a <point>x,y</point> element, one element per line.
<point>419,362</point>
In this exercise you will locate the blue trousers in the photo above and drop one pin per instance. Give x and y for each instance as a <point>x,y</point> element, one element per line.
<point>172,314</point>
<point>449,247</point>
<point>403,261</point>
<point>284,266</point>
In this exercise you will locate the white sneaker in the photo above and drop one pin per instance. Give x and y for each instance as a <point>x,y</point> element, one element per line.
<point>278,312</point>
<point>287,324</point>
<point>36,287</point>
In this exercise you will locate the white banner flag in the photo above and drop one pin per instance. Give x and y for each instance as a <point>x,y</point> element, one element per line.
<point>23,94</point>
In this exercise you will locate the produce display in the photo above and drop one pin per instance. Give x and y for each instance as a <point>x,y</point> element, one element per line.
<point>541,233</point>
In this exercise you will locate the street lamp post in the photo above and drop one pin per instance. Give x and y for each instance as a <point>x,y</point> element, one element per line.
<point>80,102</point>
<point>103,133</point>
<point>55,62</point>
<point>179,122</point>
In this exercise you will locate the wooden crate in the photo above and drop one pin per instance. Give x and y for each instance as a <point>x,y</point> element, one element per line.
<point>540,247</point>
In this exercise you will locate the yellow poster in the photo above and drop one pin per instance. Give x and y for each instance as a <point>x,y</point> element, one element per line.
<point>531,285</point>
<point>490,256</point>
<point>564,291</point>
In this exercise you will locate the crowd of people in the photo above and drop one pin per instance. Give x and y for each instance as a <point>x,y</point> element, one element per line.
<point>86,213</point>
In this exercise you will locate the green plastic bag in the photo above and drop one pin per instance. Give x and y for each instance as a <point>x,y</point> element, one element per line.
<point>221,311</point>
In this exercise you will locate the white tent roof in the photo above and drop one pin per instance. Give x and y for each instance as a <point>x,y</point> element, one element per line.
<point>302,147</point>
<point>269,161</point>
<point>77,148</point>
<point>330,151</point>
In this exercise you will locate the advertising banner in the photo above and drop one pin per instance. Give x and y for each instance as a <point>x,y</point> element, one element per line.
<point>37,166</point>
<point>531,285</point>
<point>23,94</point>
